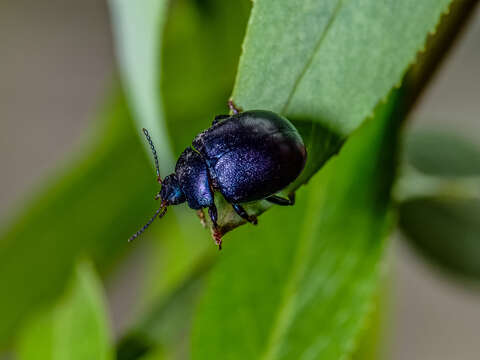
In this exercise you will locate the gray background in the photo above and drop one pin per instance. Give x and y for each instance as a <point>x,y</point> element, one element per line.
<point>55,64</point>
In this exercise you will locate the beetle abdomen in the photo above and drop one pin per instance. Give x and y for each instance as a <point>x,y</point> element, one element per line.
<point>252,155</point>
<point>254,172</point>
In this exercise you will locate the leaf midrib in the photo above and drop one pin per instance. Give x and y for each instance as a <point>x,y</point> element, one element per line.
<point>312,55</point>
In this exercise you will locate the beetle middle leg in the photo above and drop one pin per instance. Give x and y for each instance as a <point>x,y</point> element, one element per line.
<point>244,215</point>
<point>274,199</point>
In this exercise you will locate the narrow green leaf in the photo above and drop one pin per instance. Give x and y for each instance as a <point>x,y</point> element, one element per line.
<point>76,328</point>
<point>92,207</point>
<point>300,284</point>
<point>330,61</point>
<point>200,51</point>
<point>442,153</point>
<point>137,29</point>
<point>445,230</point>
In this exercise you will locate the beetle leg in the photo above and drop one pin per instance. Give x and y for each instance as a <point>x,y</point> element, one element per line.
<point>219,118</point>
<point>212,211</point>
<point>233,107</point>
<point>217,236</point>
<point>274,199</point>
<point>243,214</point>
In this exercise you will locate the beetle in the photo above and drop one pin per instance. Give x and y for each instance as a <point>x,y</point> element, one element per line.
<point>247,156</point>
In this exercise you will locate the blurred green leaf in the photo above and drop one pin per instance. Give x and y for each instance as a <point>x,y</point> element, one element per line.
<point>301,283</point>
<point>442,153</point>
<point>445,230</point>
<point>137,29</point>
<point>330,61</point>
<point>76,328</point>
<point>200,51</point>
<point>201,48</point>
<point>168,323</point>
<point>92,208</point>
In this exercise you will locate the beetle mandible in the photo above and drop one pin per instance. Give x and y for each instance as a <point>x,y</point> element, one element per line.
<point>247,156</point>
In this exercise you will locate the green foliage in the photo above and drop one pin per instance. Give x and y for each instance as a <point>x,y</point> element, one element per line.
<point>301,284</point>
<point>76,328</point>
<point>90,208</point>
<point>442,154</point>
<point>446,230</point>
<point>440,190</point>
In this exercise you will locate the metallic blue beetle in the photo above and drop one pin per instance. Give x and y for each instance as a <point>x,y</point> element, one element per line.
<point>247,156</point>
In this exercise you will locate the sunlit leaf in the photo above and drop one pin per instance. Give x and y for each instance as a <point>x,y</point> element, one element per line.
<point>330,61</point>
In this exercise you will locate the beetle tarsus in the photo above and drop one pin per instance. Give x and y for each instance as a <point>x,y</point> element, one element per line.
<point>244,215</point>
<point>233,108</point>
<point>217,236</point>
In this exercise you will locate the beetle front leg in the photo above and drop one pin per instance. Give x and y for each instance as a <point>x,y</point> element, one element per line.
<point>212,212</point>
<point>216,234</point>
<point>244,215</point>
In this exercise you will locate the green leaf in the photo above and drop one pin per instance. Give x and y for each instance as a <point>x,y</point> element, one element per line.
<point>330,61</point>
<point>299,286</point>
<point>137,29</point>
<point>445,230</point>
<point>76,328</point>
<point>91,207</point>
<point>442,153</point>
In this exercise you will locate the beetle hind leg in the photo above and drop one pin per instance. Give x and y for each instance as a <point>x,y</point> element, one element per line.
<point>244,215</point>
<point>274,199</point>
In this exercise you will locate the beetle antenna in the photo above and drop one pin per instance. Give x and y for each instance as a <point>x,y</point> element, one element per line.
<point>160,213</point>
<point>154,152</point>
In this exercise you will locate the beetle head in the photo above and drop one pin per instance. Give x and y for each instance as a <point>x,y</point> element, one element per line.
<point>171,193</point>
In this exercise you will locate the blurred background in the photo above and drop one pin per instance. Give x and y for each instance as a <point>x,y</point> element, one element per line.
<point>57,61</point>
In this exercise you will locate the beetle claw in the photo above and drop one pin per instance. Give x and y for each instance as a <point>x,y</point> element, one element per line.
<point>217,236</point>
